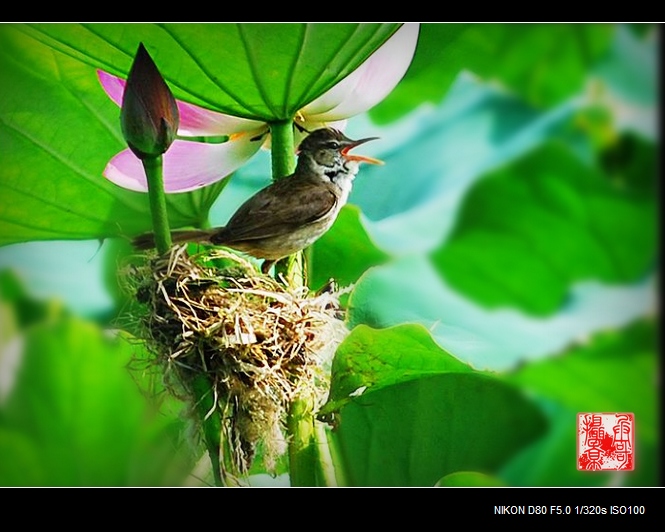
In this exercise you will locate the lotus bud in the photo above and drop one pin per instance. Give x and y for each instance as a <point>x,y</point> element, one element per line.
<point>149,116</point>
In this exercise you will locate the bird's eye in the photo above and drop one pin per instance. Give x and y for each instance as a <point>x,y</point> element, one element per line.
<point>333,145</point>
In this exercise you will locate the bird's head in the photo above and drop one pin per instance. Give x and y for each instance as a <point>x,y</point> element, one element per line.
<point>329,148</point>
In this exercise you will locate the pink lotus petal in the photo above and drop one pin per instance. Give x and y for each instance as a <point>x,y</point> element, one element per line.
<point>194,120</point>
<point>112,85</point>
<point>197,121</point>
<point>371,82</point>
<point>187,165</point>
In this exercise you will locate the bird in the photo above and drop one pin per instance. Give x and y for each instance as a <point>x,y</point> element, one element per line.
<point>293,212</point>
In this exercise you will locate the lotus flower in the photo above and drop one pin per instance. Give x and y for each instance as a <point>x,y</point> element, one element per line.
<point>191,164</point>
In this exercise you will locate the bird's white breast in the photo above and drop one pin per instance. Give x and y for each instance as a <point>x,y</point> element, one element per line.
<point>344,181</point>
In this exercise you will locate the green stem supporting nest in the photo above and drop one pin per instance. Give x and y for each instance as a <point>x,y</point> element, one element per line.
<point>204,401</point>
<point>309,459</point>
<point>201,387</point>
<point>153,167</point>
<point>283,164</point>
<point>282,149</point>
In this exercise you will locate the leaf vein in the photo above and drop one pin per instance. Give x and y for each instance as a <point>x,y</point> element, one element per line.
<point>251,111</point>
<point>92,179</point>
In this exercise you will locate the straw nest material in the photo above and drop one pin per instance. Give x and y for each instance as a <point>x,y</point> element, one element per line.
<point>259,343</point>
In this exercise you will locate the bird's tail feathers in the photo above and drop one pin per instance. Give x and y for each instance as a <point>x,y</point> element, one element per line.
<point>147,240</point>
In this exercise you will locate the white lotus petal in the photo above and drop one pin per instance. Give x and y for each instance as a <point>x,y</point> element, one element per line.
<point>371,82</point>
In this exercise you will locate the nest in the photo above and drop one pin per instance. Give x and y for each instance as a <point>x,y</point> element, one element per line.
<point>259,343</point>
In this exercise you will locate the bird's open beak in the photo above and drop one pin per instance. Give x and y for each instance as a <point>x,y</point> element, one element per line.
<point>360,158</point>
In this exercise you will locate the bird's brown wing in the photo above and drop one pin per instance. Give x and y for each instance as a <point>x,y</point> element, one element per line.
<point>280,209</point>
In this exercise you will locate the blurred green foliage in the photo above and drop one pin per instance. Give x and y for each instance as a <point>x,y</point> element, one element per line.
<point>74,413</point>
<point>528,231</point>
<point>615,371</point>
<point>543,63</point>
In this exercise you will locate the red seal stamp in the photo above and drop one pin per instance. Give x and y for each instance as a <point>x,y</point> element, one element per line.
<point>605,442</point>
